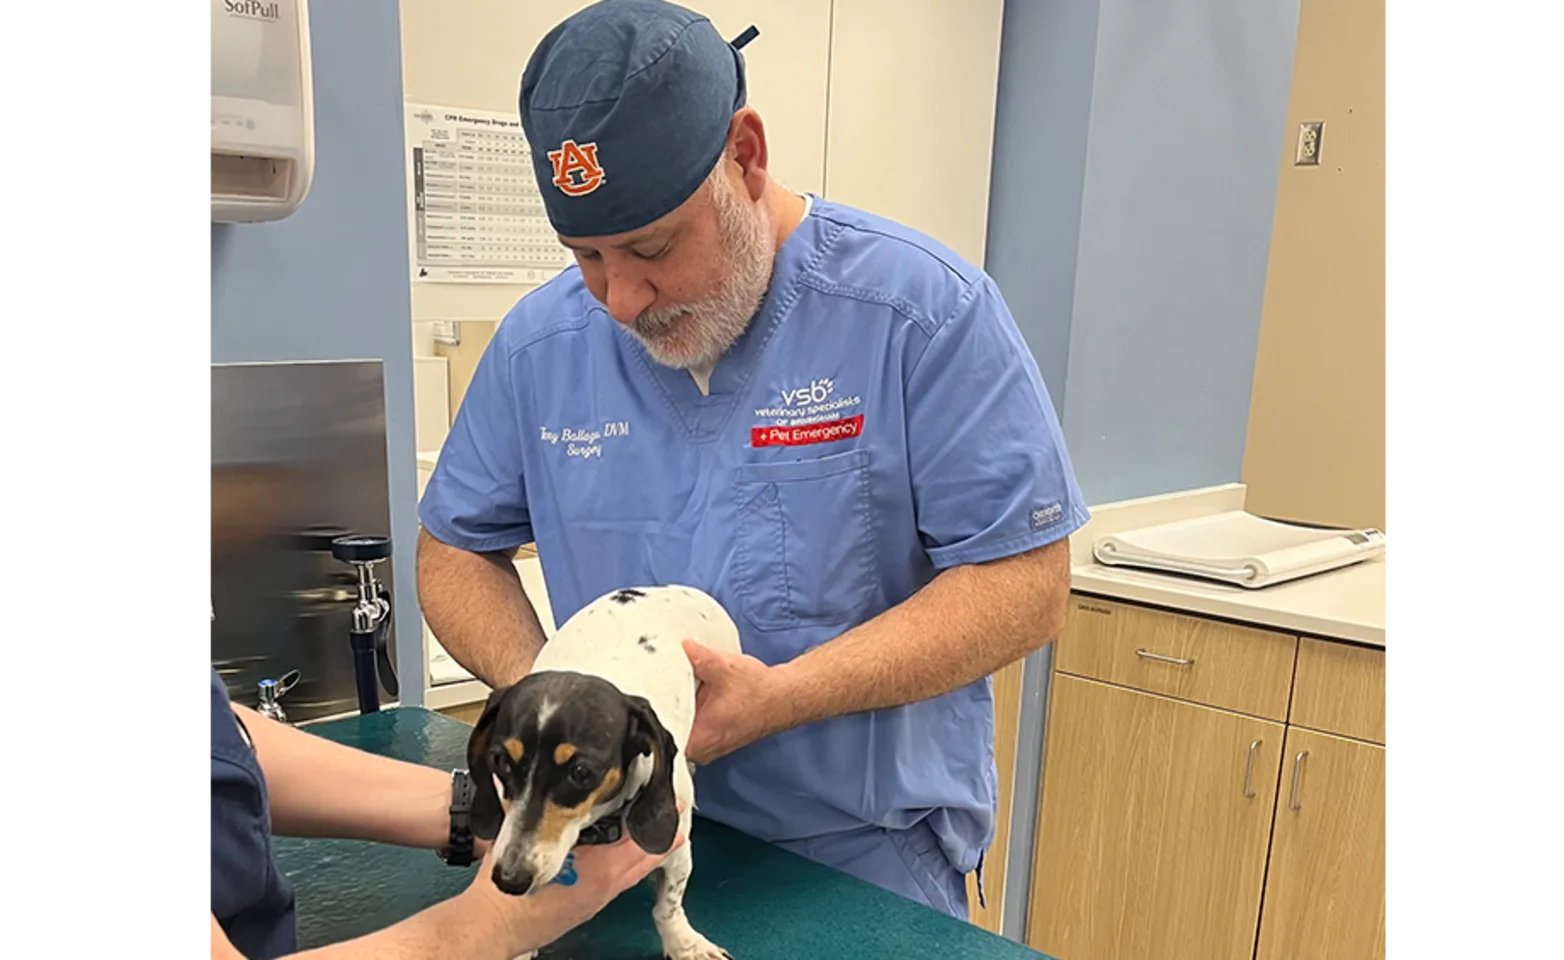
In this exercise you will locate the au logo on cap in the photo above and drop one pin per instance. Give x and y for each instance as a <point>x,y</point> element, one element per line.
<point>576,171</point>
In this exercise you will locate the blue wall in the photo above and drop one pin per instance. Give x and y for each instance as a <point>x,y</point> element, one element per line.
<point>1047,51</point>
<point>1137,149</point>
<point>331,281</point>
<point>1137,146</point>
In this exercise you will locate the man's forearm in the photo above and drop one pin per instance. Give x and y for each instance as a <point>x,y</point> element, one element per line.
<point>967,623</point>
<point>477,608</point>
<point>318,788</point>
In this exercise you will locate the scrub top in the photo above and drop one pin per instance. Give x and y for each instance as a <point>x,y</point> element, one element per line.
<point>251,899</point>
<point>880,420</point>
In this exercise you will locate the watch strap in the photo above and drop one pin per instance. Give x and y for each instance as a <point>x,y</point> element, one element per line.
<point>459,850</point>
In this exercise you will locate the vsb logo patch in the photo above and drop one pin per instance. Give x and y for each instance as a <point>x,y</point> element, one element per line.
<point>576,171</point>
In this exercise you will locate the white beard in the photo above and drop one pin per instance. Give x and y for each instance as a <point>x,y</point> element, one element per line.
<point>694,336</point>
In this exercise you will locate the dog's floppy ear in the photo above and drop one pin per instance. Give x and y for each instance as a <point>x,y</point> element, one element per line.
<point>654,815</point>
<point>486,811</point>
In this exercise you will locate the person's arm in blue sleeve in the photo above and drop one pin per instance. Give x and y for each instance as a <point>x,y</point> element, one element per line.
<point>996,501</point>
<point>474,515</point>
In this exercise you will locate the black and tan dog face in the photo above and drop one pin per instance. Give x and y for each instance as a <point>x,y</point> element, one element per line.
<point>547,755</point>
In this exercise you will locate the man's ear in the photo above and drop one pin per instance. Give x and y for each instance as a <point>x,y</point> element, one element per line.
<point>486,810</point>
<point>746,147</point>
<point>654,815</point>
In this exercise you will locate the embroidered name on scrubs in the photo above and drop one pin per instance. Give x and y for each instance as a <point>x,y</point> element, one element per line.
<point>585,442</point>
<point>810,413</point>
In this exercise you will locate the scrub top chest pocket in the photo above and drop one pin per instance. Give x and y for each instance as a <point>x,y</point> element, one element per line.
<point>803,544</point>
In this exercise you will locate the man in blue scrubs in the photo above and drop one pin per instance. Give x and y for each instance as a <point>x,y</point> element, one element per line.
<point>824,419</point>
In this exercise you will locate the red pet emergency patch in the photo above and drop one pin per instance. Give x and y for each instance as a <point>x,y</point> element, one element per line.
<point>808,433</point>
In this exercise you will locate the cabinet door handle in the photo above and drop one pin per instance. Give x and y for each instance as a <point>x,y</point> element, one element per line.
<point>1249,771</point>
<point>1162,659</point>
<point>1297,775</point>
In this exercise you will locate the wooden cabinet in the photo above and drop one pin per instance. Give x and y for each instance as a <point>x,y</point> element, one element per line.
<point>467,713</point>
<point>1340,689</point>
<point>1209,790</point>
<point>1218,664</point>
<point>1158,813</point>
<point>1325,890</point>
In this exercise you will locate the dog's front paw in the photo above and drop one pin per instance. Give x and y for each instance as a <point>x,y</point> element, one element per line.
<point>694,947</point>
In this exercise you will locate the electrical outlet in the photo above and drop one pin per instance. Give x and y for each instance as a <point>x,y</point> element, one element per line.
<point>1309,137</point>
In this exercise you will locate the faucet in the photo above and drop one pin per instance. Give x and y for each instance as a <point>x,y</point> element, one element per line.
<point>271,692</point>
<point>370,632</point>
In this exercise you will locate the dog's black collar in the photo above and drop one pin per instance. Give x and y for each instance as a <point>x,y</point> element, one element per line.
<point>607,830</point>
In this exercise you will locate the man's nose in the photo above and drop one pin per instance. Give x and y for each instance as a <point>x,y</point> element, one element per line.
<point>627,296</point>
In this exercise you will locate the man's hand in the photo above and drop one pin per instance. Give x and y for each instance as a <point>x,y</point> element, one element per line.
<point>969,622</point>
<point>740,700</point>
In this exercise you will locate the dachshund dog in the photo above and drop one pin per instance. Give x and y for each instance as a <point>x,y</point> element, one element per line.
<point>588,745</point>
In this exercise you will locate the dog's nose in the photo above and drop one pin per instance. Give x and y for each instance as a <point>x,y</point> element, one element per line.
<point>517,882</point>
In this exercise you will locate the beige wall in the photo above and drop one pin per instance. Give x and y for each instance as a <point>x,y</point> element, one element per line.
<point>474,337</point>
<point>1316,443</point>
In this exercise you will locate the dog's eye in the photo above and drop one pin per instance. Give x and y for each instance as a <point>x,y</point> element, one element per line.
<point>580,774</point>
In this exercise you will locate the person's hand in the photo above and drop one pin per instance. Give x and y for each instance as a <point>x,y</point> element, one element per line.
<point>603,872</point>
<point>740,700</point>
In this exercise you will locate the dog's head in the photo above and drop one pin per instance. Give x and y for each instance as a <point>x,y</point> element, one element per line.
<point>552,753</point>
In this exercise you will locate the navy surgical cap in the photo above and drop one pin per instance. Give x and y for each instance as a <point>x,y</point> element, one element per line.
<point>626,107</point>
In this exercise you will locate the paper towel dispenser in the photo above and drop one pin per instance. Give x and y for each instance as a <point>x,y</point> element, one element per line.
<point>263,117</point>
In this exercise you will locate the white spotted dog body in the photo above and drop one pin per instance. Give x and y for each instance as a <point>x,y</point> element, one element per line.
<point>596,732</point>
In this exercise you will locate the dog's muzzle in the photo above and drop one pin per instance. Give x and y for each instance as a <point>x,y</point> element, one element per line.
<point>516,881</point>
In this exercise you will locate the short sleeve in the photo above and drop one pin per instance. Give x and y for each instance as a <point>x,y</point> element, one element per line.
<point>990,474</point>
<point>476,498</point>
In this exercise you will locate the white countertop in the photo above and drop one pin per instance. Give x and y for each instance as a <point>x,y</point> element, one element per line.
<point>1346,604</point>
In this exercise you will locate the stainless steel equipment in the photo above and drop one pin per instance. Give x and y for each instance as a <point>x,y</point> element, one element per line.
<point>371,619</point>
<point>269,692</point>
<point>298,460</point>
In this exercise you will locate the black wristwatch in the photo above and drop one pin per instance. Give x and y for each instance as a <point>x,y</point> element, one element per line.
<point>458,852</point>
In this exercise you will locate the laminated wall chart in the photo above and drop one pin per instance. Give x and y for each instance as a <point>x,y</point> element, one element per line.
<point>476,215</point>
